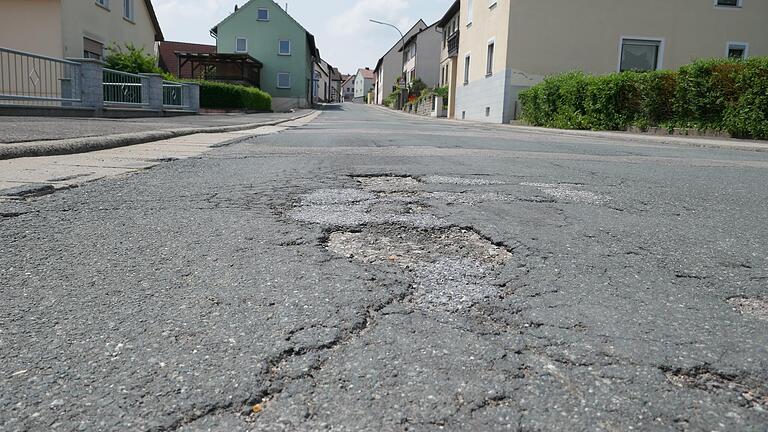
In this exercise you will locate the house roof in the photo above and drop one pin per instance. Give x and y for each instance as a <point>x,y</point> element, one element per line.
<point>381,60</point>
<point>335,74</point>
<point>169,61</point>
<point>415,36</point>
<point>453,10</point>
<point>348,79</point>
<point>155,23</point>
<point>367,73</point>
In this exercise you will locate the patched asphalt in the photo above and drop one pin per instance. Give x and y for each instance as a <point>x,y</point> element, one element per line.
<point>372,271</point>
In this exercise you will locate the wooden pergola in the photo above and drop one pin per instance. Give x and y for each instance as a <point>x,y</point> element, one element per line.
<point>239,68</point>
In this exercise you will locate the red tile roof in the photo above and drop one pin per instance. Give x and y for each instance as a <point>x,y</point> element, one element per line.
<point>367,73</point>
<point>168,60</point>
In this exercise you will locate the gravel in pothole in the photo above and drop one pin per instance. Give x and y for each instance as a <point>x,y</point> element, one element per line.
<point>569,192</point>
<point>353,207</point>
<point>388,183</point>
<point>452,268</point>
<point>463,181</point>
<point>755,307</point>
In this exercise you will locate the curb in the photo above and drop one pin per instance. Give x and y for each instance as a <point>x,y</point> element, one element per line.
<point>89,144</point>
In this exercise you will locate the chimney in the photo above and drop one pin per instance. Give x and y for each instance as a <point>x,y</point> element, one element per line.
<point>236,8</point>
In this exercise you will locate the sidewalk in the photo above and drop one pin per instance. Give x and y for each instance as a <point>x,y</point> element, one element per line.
<point>46,136</point>
<point>719,143</point>
<point>35,176</point>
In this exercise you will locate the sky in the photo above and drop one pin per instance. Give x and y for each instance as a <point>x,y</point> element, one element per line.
<point>347,40</point>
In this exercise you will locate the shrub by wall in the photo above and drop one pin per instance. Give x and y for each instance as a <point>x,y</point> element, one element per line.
<point>748,116</point>
<point>721,94</point>
<point>230,96</point>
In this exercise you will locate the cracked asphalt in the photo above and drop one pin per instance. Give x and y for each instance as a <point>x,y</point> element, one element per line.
<point>377,272</point>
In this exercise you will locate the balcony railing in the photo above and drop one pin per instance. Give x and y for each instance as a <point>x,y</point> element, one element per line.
<point>453,45</point>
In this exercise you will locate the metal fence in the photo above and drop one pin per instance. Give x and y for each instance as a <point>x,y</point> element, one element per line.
<point>32,79</point>
<point>122,88</point>
<point>173,94</point>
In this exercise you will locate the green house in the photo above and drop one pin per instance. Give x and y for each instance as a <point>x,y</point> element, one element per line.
<point>265,31</point>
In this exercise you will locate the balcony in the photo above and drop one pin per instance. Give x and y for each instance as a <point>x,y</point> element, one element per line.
<point>453,45</point>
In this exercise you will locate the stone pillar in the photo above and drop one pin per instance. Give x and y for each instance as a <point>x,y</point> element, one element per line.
<point>91,84</point>
<point>154,86</point>
<point>437,107</point>
<point>192,96</point>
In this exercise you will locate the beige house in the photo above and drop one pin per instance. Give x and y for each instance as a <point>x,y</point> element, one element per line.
<point>77,28</point>
<point>449,25</point>
<point>509,45</point>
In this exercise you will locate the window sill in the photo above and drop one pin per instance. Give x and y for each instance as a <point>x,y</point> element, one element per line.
<point>488,75</point>
<point>469,25</point>
<point>106,8</point>
<point>284,55</point>
<point>262,20</point>
<point>129,20</point>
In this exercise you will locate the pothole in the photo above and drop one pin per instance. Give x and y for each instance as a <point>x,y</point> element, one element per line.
<point>755,307</point>
<point>470,198</point>
<point>703,378</point>
<point>462,181</point>
<point>453,268</point>
<point>354,207</point>
<point>388,183</point>
<point>569,192</point>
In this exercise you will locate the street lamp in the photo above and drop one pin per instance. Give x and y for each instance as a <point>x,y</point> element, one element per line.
<point>402,40</point>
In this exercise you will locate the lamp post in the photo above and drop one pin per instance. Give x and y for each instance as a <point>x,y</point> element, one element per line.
<point>402,67</point>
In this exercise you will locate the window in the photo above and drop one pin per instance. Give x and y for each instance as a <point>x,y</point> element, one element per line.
<point>640,54</point>
<point>93,49</point>
<point>285,48</point>
<point>128,11</point>
<point>469,13</point>
<point>489,65</point>
<point>263,14</point>
<point>466,69</point>
<point>283,80</point>
<point>737,50</point>
<point>103,3</point>
<point>241,45</point>
<point>728,3</point>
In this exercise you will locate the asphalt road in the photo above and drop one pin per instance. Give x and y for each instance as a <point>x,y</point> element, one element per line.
<point>377,272</point>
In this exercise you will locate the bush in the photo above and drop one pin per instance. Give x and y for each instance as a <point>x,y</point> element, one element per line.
<point>721,94</point>
<point>748,115</point>
<point>657,89</point>
<point>705,89</point>
<point>612,102</point>
<point>230,96</point>
<point>441,92</point>
<point>131,59</point>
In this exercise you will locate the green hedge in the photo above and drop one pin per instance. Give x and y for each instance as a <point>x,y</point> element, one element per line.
<point>719,94</point>
<point>230,96</point>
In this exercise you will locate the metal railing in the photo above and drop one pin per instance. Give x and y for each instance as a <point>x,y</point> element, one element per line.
<point>122,88</point>
<point>173,94</point>
<point>32,79</point>
<point>453,44</point>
